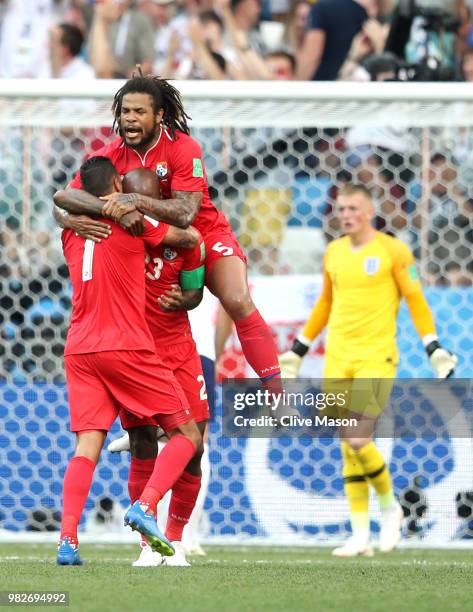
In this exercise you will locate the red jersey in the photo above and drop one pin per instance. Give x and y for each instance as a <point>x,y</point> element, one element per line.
<point>180,167</point>
<point>166,266</point>
<point>108,290</point>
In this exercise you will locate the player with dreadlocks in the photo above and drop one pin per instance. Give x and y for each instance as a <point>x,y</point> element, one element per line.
<point>153,133</point>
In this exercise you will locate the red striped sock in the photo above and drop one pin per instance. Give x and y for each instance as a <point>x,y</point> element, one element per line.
<point>169,465</point>
<point>183,498</point>
<point>258,346</point>
<point>75,489</point>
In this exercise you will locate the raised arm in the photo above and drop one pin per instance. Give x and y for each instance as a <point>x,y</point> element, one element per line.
<point>183,238</point>
<point>79,202</point>
<point>179,210</point>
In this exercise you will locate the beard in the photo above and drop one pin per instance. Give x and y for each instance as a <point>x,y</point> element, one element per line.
<point>145,141</point>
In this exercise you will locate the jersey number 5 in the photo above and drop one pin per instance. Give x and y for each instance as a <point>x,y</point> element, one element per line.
<point>221,248</point>
<point>87,260</point>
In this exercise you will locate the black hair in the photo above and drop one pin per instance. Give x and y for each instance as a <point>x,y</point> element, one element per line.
<point>210,16</point>
<point>164,96</point>
<point>72,38</point>
<point>285,54</point>
<point>97,174</point>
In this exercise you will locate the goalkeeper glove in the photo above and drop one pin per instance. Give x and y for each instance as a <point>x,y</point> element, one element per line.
<point>443,361</point>
<point>291,361</point>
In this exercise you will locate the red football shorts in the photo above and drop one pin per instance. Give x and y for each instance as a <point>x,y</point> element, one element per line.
<point>184,361</point>
<point>221,244</point>
<point>100,384</point>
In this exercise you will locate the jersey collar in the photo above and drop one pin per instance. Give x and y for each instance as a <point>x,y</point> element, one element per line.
<point>143,159</point>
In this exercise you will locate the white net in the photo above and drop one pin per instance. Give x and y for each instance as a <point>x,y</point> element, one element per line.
<point>275,156</point>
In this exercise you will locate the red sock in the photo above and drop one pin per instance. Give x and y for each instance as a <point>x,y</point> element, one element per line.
<point>75,489</point>
<point>139,474</point>
<point>169,465</point>
<point>183,498</point>
<point>258,346</point>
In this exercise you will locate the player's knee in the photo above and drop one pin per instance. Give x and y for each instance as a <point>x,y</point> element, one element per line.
<point>143,442</point>
<point>358,443</point>
<point>238,304</point>
<point>89,444</point>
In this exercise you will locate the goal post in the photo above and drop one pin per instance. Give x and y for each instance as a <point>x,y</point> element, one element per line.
<point>275,155</point>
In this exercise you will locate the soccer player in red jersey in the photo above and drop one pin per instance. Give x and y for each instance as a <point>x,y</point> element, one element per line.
<point>110,362</point>
<point>153,133</point>
<point>165,268</point>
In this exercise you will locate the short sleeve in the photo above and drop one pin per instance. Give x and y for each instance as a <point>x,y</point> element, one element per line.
<point>188,172</point>
<point>317,17</point>
<point>76,183</point>
<point>154,233</point>
<point>192,273</point>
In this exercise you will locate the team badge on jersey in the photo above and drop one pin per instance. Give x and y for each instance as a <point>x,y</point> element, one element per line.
<point>372,265</point>
<point>162,169</point>
<point>169,254</point>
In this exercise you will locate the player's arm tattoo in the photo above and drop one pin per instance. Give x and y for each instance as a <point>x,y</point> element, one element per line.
<point>180,210</point>
<point>183,238</point>
<point>78,202</point>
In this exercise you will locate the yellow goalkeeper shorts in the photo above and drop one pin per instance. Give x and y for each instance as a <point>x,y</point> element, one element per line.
<point>364,387</point>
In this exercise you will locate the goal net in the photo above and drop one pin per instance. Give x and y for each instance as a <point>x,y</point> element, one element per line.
<point>275,155</point>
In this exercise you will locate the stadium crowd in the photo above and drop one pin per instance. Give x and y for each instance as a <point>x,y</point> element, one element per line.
<point>238,39</point>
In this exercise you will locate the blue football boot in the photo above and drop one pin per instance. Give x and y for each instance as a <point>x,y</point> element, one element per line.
<point>68,553</point>
<point>138,520</point>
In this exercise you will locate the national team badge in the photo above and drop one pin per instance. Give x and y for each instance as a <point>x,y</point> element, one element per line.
<point>372,265</point>
<point>169,254</point>
<point>162,169</point>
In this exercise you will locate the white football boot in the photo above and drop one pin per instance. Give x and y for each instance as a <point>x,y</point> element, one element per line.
<point>179,557</point>
<point>148,558</point>
<point>391,523</point>
<point>120,444</point>
<point>358,545</point>
<point>195,550</point>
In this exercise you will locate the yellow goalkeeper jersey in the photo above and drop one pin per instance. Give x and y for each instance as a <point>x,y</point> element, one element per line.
<point>360,299</point>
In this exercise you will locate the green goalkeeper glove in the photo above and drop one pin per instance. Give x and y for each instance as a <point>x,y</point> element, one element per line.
<point>291,361</point>
<point>442,361</point>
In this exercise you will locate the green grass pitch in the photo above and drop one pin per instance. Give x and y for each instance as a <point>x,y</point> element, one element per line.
<point>254,579</point>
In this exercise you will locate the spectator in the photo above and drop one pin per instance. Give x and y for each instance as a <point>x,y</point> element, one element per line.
<point>120,38</point>
<point>24,28</point>
<point>176,41</point>
<point>210,60</point>
<point>246,14</point>
<point>332,26</point>
<point>367,43</point>
<point>281,65</point>
<point>467,66</point>
<point>449,216</point>
<point>160,12</point>
<point>296,24</point>
<point>66,46</point>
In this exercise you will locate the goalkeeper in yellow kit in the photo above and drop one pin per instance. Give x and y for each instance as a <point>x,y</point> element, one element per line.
<point>366,274</point>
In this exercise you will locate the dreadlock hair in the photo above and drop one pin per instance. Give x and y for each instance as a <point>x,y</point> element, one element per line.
<point>164,96</point>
